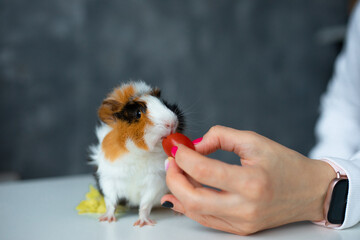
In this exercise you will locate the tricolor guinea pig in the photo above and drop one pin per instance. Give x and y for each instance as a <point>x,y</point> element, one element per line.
<point>129,156</point>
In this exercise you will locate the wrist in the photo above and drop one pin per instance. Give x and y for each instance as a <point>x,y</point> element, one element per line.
<point>321,175</point>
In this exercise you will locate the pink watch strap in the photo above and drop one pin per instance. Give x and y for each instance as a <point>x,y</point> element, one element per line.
<point>339,173</point>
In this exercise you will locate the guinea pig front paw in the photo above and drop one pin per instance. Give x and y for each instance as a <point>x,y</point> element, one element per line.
<point>110,217</point>
<point>143,222</point>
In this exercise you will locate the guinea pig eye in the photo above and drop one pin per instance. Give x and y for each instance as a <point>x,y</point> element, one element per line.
<point>138,114</point>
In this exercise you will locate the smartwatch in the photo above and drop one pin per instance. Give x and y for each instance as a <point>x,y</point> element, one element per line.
<point>336,199</point>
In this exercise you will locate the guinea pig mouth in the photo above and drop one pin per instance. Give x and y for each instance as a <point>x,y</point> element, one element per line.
<point>168,132</point>
<point>166,135</point>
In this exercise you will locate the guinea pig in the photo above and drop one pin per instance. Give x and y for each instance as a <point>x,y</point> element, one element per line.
<point>129,154</point>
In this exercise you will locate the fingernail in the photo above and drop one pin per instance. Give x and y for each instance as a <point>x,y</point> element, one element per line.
<point>174,150</point>
<point>167,204</point>
<point>196,141</point>
<point>166,164</point>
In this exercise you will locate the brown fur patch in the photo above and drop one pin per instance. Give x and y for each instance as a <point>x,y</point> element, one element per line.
<point>114,102</point>
<point>107,109</point>
<point>112,146</point>
<point>123,94</point>
<point>114,143</point>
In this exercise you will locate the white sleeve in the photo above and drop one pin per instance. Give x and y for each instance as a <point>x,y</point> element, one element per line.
<point>338,128</point>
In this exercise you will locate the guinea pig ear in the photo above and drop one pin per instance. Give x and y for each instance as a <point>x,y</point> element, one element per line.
<point>156,92</point>
<point>107,110</point>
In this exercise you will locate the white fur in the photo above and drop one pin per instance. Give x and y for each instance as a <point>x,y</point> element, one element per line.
<point>138,175</point>
<point>164,122</point>
<point>141,87</point>
<point>96,154</point>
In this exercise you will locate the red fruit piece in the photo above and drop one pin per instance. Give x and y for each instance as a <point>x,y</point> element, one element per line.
<point>175,139</point>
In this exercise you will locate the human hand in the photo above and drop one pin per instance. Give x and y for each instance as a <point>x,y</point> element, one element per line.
<point>274,186</point>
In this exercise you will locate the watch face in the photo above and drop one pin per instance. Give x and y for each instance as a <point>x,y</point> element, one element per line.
<point>336,213</point>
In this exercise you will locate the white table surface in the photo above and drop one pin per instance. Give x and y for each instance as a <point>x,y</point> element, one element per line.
<point>45,209</point>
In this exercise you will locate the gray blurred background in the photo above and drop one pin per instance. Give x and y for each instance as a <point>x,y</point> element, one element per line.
<point>247,64</point>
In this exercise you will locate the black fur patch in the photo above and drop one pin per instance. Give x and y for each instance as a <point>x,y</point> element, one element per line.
<point>131,112</point>
<point>180,115</point>
<point>156,92</point>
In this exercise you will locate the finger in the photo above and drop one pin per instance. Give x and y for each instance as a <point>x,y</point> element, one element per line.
<point>198,199</point>
<point>195,183</point>
<point>191,180</point>
<point>215,222</point>
<point>177,181</point>
<point>212,172</point>
<point>177,205</point>
<point>228,139</point>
